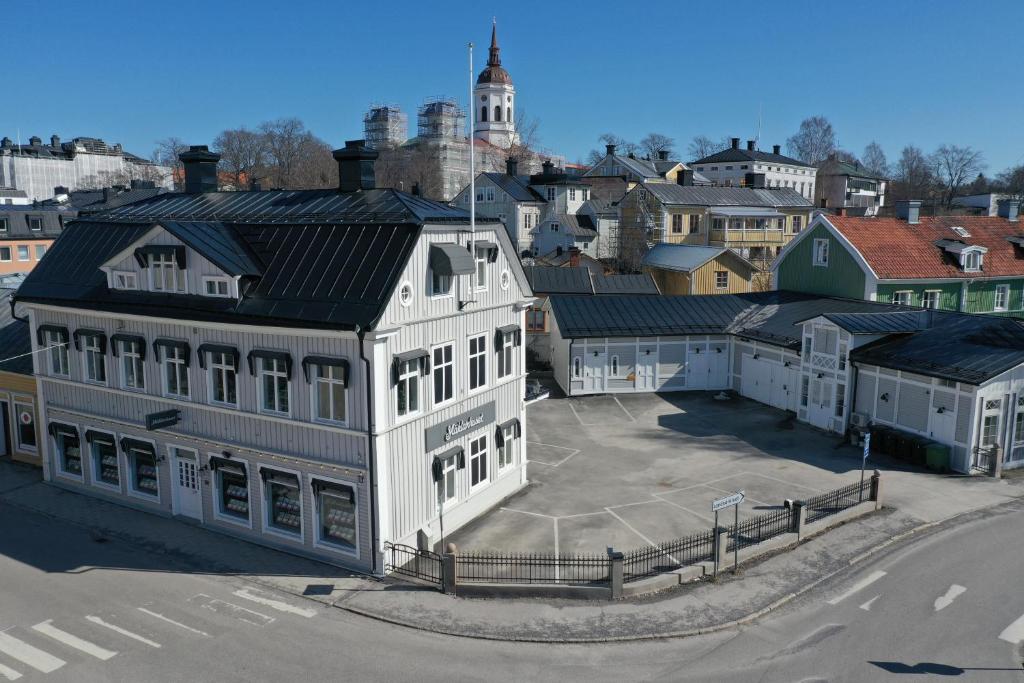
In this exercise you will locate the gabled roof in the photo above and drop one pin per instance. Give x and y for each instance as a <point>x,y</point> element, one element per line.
<point>895,322</point>
<point>897,250</point>
<point>646,169</point>
<point>558,280</point>
<point>686,258</point>
<point>628,283</point>
<point>740,155</point>
<point>846,168</point>
<point>218,243</point>
<point>694,195</point>
<point>516,186</point>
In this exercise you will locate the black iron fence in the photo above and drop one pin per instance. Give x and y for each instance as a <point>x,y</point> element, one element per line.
<point>669,556</point>
<point>495,567</point>
<point>411,563</point>
<point>760,528</point>
<point>834,502</point>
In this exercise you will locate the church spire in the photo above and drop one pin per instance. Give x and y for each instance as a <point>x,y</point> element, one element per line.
<point>494,59</point>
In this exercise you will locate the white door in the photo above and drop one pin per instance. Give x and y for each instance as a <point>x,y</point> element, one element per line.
<point>943,426</point>
<point>792,379</point>
<point>697,367</point>
<point>645,369</point>
<point>819,408</point>
<point>718,360</point>
<point>756,379</point>
<point>594,371</point>
<point>188,500</point>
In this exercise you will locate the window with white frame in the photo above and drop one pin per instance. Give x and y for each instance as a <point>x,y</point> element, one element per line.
<point>175,371</point>
<point>58,353</point>
<point>447,489</point>
<point>40,251</point>
<point>614,366</point>
<point>231,486</point>
<point>283,501</point>
<point>125,280</point>
<point>477,462</point>
<point>336,511</point>
<point>506,448</point>
<point>164,274</point>
<point>95,365</point>
<point>551,194</point>
<point>535,319</point>
<point>572,194</point>
<point>35,223</point>
<point>990,430</point>
<point>821,252</point>
<point>274,386</point>
<point>506,354</point>
<point>477,362</point>
<point>677,223</point>
<point>223,379</point>
<point>480,259</point>
<point>405,294</point>
<point>26,431</point>
<point>69,451</point>
<point>23,254</point>
<point>721,279</point>
<point>930,298</point>
<point>1002,297</point>
<point>694,223</point>
<point>407,389</point>
<point>444,373</point>
<point>902,297</point>
<point>440,285</point>
<point>798,221</point>
<point>132,368</point>
<point>972,261</point>
<point>577,367</point>
<point>505,280</point>
<point>216,286</point>
<point>106,465</point>
<point>331,392</point>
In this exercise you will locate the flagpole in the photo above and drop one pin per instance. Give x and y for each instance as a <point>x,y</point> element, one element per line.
<point>472,166</point>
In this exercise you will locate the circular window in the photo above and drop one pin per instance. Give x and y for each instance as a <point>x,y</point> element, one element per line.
<point>506,279</point>
<point>405,294</point>
<point>483,98</point>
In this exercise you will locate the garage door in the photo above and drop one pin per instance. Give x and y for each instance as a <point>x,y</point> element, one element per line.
<point>756,379</point>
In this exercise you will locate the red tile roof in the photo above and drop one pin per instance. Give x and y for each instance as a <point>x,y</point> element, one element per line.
<point>897,250</point>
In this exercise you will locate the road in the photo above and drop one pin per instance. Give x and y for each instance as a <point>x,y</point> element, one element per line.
<point>73,608</point>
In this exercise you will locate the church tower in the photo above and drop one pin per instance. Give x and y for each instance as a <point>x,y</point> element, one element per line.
<point>494,98</point>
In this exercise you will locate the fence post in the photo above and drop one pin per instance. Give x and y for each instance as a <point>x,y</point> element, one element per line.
<point>449,575</point>
<point>721,544</point>
<point>997,461</point>
<point>876,489</point>
<point>798,515</point>
<point>615,573</point>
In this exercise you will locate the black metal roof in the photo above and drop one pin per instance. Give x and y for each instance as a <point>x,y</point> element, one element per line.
<point>556,280</point>
<point>625,284</point>
<point>218,243</point>
<point>740,155</point>
<point>15,338</point>
<point>881,323</point>
<point>695,195</point>
<point>16,220</point>
<point>516,186</point>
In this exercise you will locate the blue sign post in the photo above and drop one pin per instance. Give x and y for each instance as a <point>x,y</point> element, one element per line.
<point>864,462</point>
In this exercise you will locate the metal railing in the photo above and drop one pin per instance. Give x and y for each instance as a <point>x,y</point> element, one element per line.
<point>834,502</point>
<point>420,565</point>
<point>760,528</point>
<point>496,567</point>
<point>669,556</point>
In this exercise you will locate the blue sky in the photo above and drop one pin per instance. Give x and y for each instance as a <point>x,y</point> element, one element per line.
<point>897,72</point>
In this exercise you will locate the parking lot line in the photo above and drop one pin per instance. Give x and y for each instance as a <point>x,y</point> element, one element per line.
<point>752,500</point>
<point>633,529</point>
<point>684,509</point>
<point>172,621</point>
<point>548,445</point>
<point>775,479</point>
<point>628,414</point>
<point>578,418</point>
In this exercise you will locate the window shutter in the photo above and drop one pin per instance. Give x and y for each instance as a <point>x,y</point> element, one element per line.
<point>437,469</point>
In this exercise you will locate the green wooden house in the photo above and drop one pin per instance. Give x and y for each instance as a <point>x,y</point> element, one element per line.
<point>973,264</point>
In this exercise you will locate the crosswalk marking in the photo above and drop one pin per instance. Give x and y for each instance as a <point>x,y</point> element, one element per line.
<point>231,609</point>
<point>28,654</point>
<point>9,673</point>
<point>172,621</point>
<point>276,604</point>
<point>944,601</point>
<point>860,585</point>
<point>124,632</point>
<point>867,605</point>
<point>71,640</point>
<point>1014,633</point>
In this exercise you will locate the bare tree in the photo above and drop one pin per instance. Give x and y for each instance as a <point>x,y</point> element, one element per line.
<point>702,146</point>
<point>874,160</point>
<point>912,175</point>
<point>1011,181</point>
<point>654,143</point>
<point>813,142</point>
<point>166,154</point>
<point>623,147</point>
<point>953,165</point>
<point>243,154</point>
<point>284,139</point>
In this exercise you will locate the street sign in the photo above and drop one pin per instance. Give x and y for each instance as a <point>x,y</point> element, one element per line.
<point>162,419</point>
<point>727,501</point>
<point>867,445</point>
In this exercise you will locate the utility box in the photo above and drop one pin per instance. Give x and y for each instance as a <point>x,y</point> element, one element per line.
<point>937,456</point>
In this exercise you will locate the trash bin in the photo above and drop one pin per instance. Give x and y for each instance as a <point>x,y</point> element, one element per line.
<point>937,456</point>
<point>879,434</point>
<point>915,449</point>
<point>893,446</point>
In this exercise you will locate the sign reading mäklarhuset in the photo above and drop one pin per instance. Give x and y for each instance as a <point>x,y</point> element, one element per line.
<point>165,418</point>
<point>451,429</point>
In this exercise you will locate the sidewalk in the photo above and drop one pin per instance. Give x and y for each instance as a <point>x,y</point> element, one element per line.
<point>698,608</point>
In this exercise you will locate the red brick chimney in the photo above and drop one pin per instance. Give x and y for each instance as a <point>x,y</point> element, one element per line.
<point>574,257</point>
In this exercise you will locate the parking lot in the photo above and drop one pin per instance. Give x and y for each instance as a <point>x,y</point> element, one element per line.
<point>623,471</point>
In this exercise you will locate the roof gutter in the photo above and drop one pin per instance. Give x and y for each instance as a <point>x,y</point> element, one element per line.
<point>370,455</point>
<point>14,314</point>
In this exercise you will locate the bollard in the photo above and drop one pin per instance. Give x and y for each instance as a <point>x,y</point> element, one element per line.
<point>615,573</point>
<point>997,461</point>
<point>721,543</point>
<point>449,575</point>
<point>876,489</point>
<point>798,515</point>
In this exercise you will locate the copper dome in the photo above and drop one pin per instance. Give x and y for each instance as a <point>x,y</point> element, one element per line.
<point>494,72</point>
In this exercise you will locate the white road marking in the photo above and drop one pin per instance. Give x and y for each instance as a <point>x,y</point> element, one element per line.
<point>867,605</point>
<point>231,609</point>
<point>578,418</point>
<point>279,605</point>
<point>684,509</point>
<point>944,601</point>
<point>860,585</point>
<point>9,673</point>
<point>628,414</point>
<point>630,527</point>
<point>775,479</point>
<point>28,654</point>
<point>172,621</point>
<point>1014,633</point>
<point>123,631</point>
<point>554,464</point>
<point>527,512</point>
<point>71,640</point>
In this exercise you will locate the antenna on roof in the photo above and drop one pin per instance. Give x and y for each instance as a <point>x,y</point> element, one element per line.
<point>757,138</point>
<point>472,161</point>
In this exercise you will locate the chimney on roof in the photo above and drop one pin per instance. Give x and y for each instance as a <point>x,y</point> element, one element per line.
<point>547,168</point>
<point>1009,209</point>
<point>776,149</point>
<point>355,166</point>
<point>574,257</point>
<point>750,145</point>
<point>35,141</point>
<point>632,155</point>
<point>909,210</point>
<point>754,180</point>
<point>54,141</point>
<point>108,194</point>
<point>200,169</point>
<point>840,210</point>
<point>735,143</point>
<point>415,192</point>
<point>512,166</point>
<point>60,189</point>
<point>610,150</point>
<point>662,155</point>
<point>685,177</point>
<point>6,143</point>
<point>142,184</point>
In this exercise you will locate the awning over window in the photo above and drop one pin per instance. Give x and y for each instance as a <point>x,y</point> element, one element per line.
<point>450,259</point>
<point>173,344</point>
<point>514,330</point>
<point>282,356</point>
<point>129,339</point>
<point>100,335</point>
<point>142,254</point>
<point>517,428</point>
<point>58,429</point>
<point>219,463</point>
<point>419,354</point>
<point>217,348</point>
<point>277,476</point>
<point>343,490</point>
<point>309,361</point>
<point>59,330</point>
<point>129,444</point>
<point>437,464</point>
<point>490,247</point>
<point>92,436</point>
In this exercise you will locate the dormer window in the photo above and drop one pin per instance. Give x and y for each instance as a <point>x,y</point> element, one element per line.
<point>217,286</point>
<point>972,261</point>
<point>124,279</point>
<point>551,194</point>
<point>163,274</point>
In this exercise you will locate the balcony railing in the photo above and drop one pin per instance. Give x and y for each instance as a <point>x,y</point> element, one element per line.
<point>748,235</point>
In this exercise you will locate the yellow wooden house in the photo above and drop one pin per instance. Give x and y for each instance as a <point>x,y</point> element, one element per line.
<point>692,269</point>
